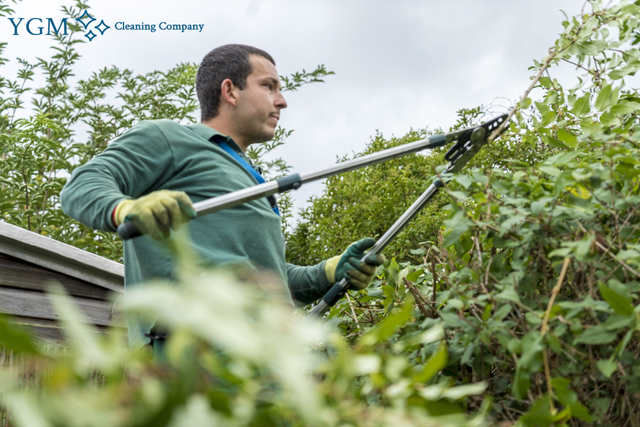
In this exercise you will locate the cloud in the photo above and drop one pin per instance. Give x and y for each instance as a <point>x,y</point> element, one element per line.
<point>398,65</point>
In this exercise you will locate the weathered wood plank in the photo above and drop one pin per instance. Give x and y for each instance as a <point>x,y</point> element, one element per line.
<point>60,257</point>
<point>37,305</point>
<point>17,273</point>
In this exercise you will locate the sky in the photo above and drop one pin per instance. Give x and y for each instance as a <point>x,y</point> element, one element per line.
<point>398,64</point>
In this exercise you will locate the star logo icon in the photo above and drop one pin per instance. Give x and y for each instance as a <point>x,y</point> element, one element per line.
<point>90,35</point>
<point>85,19</point>
<point>102,27</point>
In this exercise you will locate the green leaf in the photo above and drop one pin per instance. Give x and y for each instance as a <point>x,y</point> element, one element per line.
<point>521,383</point>
<point>550,170</point>
<point>388,326</point>
<point>414,275</point>
<point>621,304</point>
<point>607,97</point>
<point>525,103</point>
<point>502,312</point>
<point>509,294</point>
<point>456,226</point>
<point>15,338</point>
<point>568,138</point>
<point>606,366</point>
<point>625,107</point>
<point>463,180</point>
<point>80,336</point>
<point>456,393</point>
<point>603,97</point>
<point>539,415</point>
<point>569,398</point>
<point>435,364</point>
<point>595,335</point>
<point>582,105</point>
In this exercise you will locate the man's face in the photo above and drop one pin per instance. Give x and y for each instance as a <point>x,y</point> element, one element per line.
<point>259,103</point>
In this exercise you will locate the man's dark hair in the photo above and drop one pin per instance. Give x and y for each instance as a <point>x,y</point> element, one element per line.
<point>230,61</point>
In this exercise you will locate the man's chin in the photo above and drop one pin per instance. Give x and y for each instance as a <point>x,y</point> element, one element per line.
<point>267,136</point>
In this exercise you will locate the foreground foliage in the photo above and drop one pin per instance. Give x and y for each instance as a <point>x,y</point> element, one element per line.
<point>238,356</point>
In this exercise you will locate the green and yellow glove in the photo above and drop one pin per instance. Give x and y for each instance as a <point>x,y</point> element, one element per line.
<point>156,213</point>
<point>348,265</point>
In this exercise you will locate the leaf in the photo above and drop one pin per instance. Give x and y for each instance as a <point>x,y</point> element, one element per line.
<point>539,415</point>
<point>569,398</point>
<point>25,410</point>
<point>525,103</point>
<point>502,312</point>
<point>521,383</point>
<point>621,304</point>
<point>625,107</point>
<point>509,294</point>
<point>511,221</point>
<point>567,138</point>
<point>455,393</point>
<point>580,191</point>
<point>595,335</point>
<point>603,100</point>
<point>388,326</point>
<point>582,105</point>
<point>366,364</point>
<point>435,364</point>
<point>531,350</point>
<point>15,338</point>
<point>550,170</point>
<point>456,226</point>
<point>463,180</point>
<point>606,366</point>
<point>81,337</point>
<point>414,275</point>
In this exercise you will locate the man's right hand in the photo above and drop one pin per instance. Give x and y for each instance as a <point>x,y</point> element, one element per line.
<point>156,213</point>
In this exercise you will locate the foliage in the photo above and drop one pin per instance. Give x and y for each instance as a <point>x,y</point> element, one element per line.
<point>533,263</point>
<point>239,356</point>
<point>515,294</point>
<point>51,123</point>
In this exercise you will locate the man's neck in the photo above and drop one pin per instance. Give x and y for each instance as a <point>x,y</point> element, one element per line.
<point>223,127</point>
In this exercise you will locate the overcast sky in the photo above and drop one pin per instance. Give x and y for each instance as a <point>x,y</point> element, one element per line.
<point>398,64</point>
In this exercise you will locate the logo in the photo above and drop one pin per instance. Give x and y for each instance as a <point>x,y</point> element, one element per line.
<point>36,26</point>
<point>86,20</point>
<point>91,27</point>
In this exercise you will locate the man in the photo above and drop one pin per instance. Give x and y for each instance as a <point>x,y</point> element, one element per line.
<point>152,173</point>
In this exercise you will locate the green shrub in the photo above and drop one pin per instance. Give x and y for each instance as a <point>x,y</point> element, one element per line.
<point>535,269</point>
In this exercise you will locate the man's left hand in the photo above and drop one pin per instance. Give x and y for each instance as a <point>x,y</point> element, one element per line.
<point>348,265</point>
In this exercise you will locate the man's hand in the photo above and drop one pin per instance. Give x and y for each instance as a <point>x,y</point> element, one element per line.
<point>156,213</point>
<point>348,265</point>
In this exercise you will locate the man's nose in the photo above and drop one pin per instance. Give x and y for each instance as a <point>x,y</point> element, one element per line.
<point>280,102</point>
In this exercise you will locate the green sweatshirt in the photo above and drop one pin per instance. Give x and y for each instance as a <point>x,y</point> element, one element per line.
<point>162,154</point>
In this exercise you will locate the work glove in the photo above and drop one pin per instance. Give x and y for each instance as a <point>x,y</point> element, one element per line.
<point>157,212</point>
<point>348,265</point>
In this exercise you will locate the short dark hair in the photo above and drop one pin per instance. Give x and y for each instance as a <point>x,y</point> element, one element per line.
<point>230,61</point>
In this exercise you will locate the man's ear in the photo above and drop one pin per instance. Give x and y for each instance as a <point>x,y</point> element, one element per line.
<point>229,92</point>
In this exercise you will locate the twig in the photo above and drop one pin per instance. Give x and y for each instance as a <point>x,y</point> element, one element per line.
<point>554,294</point>
<point>485,286</point>
<point>622,263</point>
<point>417,296</point>
<point>608,252</point>
<point>434,276</point>
<point>553,53</point>
<point>545,323</point>
<point>353,312</point>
